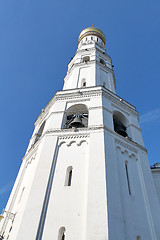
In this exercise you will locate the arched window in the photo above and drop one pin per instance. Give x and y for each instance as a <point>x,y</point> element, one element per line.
<point>120,124</point>
<point>40,131</point>
<point>86,59</point>
<point>61,233</point>
<point>138,238</point>
<point>68,179</point>
<point>102,61</point>
<point>76,116</point>
<point>127,176</point>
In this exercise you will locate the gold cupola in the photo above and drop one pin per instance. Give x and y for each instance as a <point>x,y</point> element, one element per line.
<point>92,31</point>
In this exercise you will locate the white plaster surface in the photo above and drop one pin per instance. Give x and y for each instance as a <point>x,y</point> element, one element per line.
<point>97,205</point>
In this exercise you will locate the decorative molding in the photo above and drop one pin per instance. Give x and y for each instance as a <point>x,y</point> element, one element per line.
<point>73,136</point>
<point>79,94</point>
<point>128,152</point>
<point>123,144</point>
<point>29,161</point>
<point>122,106</point>
<point>121,109</point>
<point>69,140</point>
<point>132,125</point>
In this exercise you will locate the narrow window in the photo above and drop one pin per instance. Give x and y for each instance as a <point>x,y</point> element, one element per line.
<point>84,84</point>
<point>69,173</point>
<point>40,131</point>
<point>21,194</point>
<point>97,39</point>
<point>70,177</point>
<point>61,233</point>
<point>86,38</point>
<point>102,61</point>
<point>127,175</point>
<point>91,38</point>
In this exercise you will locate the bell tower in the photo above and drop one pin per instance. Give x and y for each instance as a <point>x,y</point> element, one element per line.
<point>85,174</point>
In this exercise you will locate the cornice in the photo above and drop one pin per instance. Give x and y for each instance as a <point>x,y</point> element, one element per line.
<point>125,145</point>
<point>87,92</point>
<point>69,133</point>
<point>73,136</point>
<point>117,102</point>
<point>31,151</point>
<point>128,143</point>
<point>80,93</point>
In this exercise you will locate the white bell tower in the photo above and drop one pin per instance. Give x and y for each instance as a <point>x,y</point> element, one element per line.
<point>85,174</point>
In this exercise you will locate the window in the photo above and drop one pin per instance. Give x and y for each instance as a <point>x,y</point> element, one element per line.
<point>102,61</point>
<point>40,131</point>
<point>121,124</point>
<point>97,39</point>
<point>127,176</point>
<point>86,59</point>
<point>91,38</point>
<point>119,127</point>
<point>138,238</point>
<point>68,180</point>
<point>61,233</point>
<point>84,84</point>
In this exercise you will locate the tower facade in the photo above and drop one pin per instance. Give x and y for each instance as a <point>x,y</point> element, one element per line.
<point>85,174</point>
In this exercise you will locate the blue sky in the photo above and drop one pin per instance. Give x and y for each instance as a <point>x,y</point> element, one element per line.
<point>38,39</point>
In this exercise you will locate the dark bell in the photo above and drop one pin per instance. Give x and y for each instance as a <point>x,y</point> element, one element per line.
<point>121,131</point>
<point>120,128</point>
<point>77,122</point>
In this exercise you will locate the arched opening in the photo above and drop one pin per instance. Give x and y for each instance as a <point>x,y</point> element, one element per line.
<point>83,82</point>
<point>61,233</point>
<point>102,61</point>
<point>40,131</point>
<point>120,123</point>
<point>86,59</point>
<point>69,173</point>
<point>76,116</point>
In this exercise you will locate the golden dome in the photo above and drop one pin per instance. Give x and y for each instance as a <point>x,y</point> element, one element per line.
<point>92,31</point>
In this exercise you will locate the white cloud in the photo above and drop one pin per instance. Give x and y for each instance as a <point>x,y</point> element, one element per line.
<point>150,116</point>
<point>6,188</point>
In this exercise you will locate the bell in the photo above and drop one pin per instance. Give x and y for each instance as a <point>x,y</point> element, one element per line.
<point>120,128</point>
<point>77,122</point>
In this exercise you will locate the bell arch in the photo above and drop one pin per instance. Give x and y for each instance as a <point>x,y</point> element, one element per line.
<point>121,124</point>
<point>40,131</point>
<point>76,116</point>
